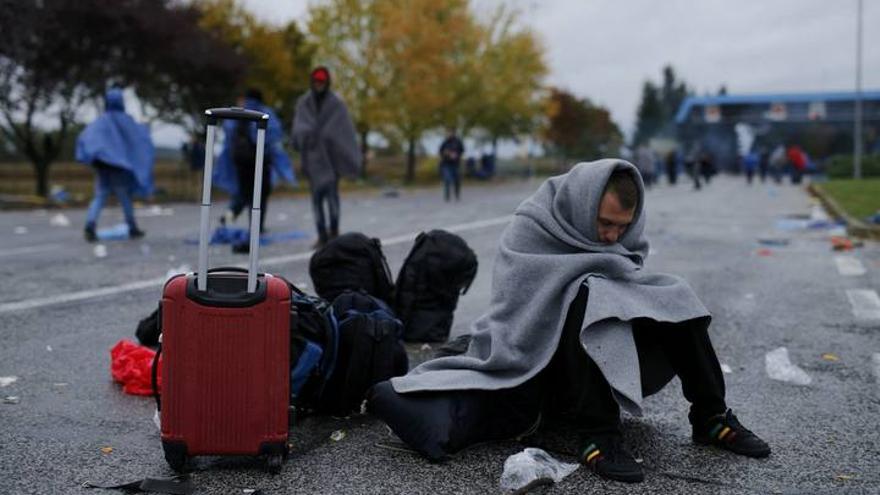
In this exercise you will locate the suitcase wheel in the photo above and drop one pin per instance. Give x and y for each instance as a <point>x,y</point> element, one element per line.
<point>274,463</point>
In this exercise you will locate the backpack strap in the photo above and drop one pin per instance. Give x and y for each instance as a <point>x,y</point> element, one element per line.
<point>383,272</point>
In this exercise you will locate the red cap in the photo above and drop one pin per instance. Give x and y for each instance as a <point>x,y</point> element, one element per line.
<point>320,74</point>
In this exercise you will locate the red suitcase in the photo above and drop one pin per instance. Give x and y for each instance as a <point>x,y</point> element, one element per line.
<point>225,344</point>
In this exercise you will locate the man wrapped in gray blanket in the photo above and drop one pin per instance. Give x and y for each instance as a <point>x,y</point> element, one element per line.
<point>576,330</point>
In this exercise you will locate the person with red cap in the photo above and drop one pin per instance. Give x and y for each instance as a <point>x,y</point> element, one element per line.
<point>324,135</point>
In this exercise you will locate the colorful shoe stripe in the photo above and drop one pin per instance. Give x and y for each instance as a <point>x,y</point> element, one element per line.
<point>724,432</point>
<point>590,453</point>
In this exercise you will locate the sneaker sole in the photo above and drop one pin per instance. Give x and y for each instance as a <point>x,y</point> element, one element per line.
<point>755,454</point>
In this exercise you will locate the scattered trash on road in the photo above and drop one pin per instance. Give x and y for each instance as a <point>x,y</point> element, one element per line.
<point>6,381</point>
<point>59,220</point>
<point>60,384</point>
<point>842,243</point>
<point>157,420</point>
<point>337,435</point>
<point>780,367</point>
<point>776,242</point>
<point>118,232</point>
<point>100,251</point>
<point>20,230</point>
<point>425,347</point>
<point>533,467</point>
<point>830,357</point>
<point>11,399</point>
<point>106,450</point>
<point>154,211</point>
<point>791,224</point>
<point>844,477</point>
<point>49,348</point>
<point>764,252</point>
<point>726,369</point>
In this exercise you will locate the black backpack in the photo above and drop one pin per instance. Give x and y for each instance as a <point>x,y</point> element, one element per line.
<point>148,329</point>
<point>439,268</point>
<point>314,342</point>
<point>352,261</point>
<point>370,351</point>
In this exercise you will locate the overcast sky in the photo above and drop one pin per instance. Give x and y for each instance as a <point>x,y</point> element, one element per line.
<point>605,49</point>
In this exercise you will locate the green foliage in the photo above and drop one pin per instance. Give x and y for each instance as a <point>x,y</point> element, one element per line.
<point>658,105</point>
<point>841,166</point>
<point>56,56</point>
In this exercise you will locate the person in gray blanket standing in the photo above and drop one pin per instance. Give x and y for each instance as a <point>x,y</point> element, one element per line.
<point>324,135</point>
<point>576,330</point>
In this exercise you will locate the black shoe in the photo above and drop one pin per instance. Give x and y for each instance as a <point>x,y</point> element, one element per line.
<point>606,456</point>
<point>136,233</point>
<point>90,234</point>
<point>241,248</point>
<point>726,432</point>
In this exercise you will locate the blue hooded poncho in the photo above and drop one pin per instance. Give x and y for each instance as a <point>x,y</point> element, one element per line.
<point>117,140</point>
<point>225,176</point>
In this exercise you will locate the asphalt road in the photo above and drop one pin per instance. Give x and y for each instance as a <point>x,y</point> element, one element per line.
<point>62,308</point>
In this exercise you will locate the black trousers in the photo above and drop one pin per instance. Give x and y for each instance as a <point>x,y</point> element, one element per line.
<point>577,391</point>
<point>571,388</point>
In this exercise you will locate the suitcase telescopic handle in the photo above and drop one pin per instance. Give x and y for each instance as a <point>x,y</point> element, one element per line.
<point>213,116</point>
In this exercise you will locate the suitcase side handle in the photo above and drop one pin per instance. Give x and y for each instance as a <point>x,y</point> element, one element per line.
<point>213,115</point>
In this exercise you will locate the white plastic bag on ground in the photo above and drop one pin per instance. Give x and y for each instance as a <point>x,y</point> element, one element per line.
<point>780,367</point>
<point>532,464</point>
<point>59,220</point>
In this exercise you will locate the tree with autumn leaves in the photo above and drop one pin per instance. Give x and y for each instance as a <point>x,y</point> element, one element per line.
<point>406,67</point>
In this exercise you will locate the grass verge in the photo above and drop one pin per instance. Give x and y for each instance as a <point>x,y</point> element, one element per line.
<point>860,198</point>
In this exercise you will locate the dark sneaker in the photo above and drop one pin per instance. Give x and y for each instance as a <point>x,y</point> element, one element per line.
<point>241,248</point>
<point>136,233</point>
<point>90,234</point>
<point>726,432</point>
<point>606,456</point>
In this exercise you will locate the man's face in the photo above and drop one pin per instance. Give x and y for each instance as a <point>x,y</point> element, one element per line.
<point>613,219</point>
<point>319,85</point>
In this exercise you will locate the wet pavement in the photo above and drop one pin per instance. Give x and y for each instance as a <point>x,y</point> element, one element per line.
<point>62,308</point>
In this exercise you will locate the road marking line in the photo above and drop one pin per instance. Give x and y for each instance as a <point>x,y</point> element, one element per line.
<point>40,302</point>
<point>30,249</point>
<point>849,266</point>
<point>865,303</point>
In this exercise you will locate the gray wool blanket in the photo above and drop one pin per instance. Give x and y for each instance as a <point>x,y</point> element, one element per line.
<point>546,253</point>
<point>326,139</point>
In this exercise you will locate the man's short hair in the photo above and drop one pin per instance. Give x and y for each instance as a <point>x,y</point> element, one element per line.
<point>254,94</point>
<point>624,186</point>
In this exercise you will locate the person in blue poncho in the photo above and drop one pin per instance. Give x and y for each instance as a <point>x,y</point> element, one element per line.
<point>121,152</point>
<point>234,171</point>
